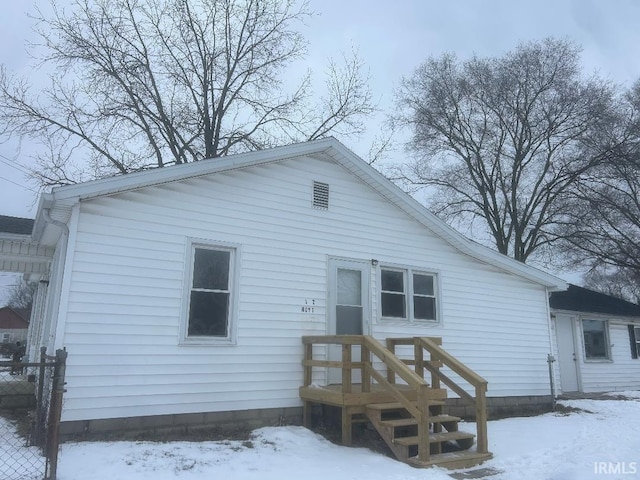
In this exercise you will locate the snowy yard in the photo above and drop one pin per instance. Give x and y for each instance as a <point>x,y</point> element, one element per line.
<point>602,444</point>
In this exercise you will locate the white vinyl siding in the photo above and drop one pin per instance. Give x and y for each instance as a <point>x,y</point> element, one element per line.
<point>126,293</point>
<point>621,373</point>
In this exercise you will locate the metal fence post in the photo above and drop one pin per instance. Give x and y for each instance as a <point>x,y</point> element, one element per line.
<point>39,420</point>
<point>55,411</point>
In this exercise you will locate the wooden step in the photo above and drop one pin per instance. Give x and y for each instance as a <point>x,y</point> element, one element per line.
<point>407,422</point>
<point>434,438</point>
<point>452,460</point>
<point>398,405</point>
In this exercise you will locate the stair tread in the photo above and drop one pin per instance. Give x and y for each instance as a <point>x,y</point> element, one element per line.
<point>397,405</point>
<point>461,459</point>
<point>406,422</point>
<point>434,438</point>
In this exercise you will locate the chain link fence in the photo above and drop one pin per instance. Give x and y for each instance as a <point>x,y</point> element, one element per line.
<point>30,407</point>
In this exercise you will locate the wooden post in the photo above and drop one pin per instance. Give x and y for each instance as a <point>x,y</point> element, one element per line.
<point>306,414</point>
<point>346,426</point>
<point>365,359</point>
<point>481,418</point>
<point>435,380</point>
<point>418,353</point>
<point>346,388</point>
<point>308,356</point>
<point>391,346</point>
<point>346,368</point>
<point>423,424</point>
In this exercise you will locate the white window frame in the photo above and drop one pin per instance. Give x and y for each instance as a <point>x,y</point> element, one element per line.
<point>407,275</point>
<point>234,262</point>
<point>607,341</point>
<point>636,334</point>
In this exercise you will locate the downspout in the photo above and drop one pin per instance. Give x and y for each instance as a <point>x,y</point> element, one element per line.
<point>550,357</point>
<point>57,223</point>
<point>54,306</point>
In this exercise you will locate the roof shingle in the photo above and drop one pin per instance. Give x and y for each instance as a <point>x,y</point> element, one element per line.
<point>579,299</point>
<point>17,225</point>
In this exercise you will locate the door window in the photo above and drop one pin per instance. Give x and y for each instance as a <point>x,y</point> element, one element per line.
<point>349,308</point>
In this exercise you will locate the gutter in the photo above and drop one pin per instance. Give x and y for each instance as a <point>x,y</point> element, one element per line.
<point>46,214</point>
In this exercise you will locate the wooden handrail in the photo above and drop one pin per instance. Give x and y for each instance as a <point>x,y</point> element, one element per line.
<point>395,366</point>
<point>401,368</point>
<point>394,363</point>
<point>450,361</point>
<point>440,357</point>
<point>333,339</point>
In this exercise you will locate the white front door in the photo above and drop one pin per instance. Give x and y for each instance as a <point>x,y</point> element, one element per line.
<point>349,307</point>
<point>567,359</point>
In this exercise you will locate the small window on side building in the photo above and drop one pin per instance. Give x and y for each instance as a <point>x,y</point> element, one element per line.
<point>596,339</point>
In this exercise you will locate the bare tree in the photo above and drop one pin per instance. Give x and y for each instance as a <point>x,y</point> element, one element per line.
<point>501,140</point>
<point>617,282</point>
<point>149,83</point>
<point>21,296</point>
<point>602,228</point>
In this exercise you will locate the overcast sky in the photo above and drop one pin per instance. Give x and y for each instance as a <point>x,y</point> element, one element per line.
<point>392,41</point>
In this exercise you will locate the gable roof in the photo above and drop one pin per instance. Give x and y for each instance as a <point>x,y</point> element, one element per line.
<point>16,225</point>
<point>10,319</point>
<point>580,299</point>
<point>56,206</point>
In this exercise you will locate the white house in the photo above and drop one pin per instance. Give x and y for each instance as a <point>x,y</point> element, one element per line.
<point>598,341</point>
<point>181,294</point>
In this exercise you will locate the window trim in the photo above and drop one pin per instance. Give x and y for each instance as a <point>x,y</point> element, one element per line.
<point>408,272</point>
<point>634,337</point>
<point>607,340</point>
<point>234,262</point>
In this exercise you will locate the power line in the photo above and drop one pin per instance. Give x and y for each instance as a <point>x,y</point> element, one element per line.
<point>18,185</point>
<point>7,161</point>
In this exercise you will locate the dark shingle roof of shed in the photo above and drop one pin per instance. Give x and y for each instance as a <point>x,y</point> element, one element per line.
<point>17,225</point>
<point>579,299</point>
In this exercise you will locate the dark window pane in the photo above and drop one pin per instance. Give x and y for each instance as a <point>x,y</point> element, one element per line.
<point>393,305</point>
<point>211,269</point>
<point>392,281</point>
<point>424,308</point>
<point>422,284</point>
<point>208,314</point>
<point>594,339</point>
<point>348,320</point>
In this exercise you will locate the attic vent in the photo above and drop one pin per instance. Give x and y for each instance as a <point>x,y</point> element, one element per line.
<point>321,195</point>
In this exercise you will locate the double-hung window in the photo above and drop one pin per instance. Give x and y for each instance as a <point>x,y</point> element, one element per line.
<point>210,295</point>
<point>596,339</point>
<point>408,294</point>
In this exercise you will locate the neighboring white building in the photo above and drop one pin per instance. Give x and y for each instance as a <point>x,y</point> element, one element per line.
<point>181,294</point>
<point>598,341</point>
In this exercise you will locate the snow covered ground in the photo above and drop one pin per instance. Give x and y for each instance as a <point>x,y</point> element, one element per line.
<point>603,444</point>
